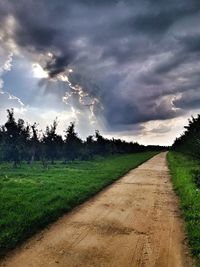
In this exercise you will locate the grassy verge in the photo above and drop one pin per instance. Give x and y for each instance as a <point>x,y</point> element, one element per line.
<point>31,197</point>
<point>181,168</point>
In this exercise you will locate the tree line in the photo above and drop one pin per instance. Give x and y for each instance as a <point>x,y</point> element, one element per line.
<point>20,141</point>
<point>189,141</point>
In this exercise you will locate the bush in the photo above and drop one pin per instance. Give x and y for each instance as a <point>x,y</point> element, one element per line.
<point>196,177</point>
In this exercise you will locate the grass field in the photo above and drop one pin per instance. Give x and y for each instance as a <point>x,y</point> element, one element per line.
<point>31,196</point>
<point>181,168</point>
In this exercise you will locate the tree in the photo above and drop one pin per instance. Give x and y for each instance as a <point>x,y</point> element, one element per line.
<point>34,143</point>
<point>2,134</point>
<point>73,143</point>
<point>102,144</point>
<point>189,141</point>
<point>88,148</point>
<point>22,141</point>
<point>15,139</point>
<point>50,142</point>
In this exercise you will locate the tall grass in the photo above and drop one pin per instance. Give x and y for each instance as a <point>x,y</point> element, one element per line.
<point>182,168</point>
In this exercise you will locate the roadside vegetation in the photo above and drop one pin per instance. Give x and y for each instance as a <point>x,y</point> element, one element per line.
<point>32,196</point>
<point>184,164</point>
<point>44,174</point>
<point>21,141</point>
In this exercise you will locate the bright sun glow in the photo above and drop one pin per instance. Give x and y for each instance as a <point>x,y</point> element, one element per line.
<point>38,71</point>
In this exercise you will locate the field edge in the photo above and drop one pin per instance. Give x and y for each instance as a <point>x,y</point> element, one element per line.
<point>41,227</point>
<point>189,197</point>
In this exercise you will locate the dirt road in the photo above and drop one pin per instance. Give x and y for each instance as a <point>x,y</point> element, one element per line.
<point>134,222</point>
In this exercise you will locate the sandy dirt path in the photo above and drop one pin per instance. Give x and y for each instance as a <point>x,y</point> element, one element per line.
<point>134,222</point>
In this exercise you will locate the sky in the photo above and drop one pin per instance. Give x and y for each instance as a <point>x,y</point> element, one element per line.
<point>128,68</point>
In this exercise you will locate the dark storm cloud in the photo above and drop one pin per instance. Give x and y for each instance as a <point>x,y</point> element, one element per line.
<point>170,64</point>
<point>189,100</point>
<point>191,43</point>
<point>57,64</point>
<point>135,57</point>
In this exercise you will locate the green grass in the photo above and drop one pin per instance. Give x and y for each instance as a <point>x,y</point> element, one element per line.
<point>181,168</point>
<point>31,196</point>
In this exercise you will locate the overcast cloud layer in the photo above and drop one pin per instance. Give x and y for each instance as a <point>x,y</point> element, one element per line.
<point>120,66</point>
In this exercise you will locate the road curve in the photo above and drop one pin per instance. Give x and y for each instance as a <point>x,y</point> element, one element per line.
<point>134,222</point>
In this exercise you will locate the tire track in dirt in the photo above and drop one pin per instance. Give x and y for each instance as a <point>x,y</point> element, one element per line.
<point>134,222</point>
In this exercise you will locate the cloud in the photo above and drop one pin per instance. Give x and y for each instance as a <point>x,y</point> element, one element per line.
<point>9,101</point>
<point>191,42</point>
<point>189,100</point>
<point>160,129</point>
<point>132,61</point>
